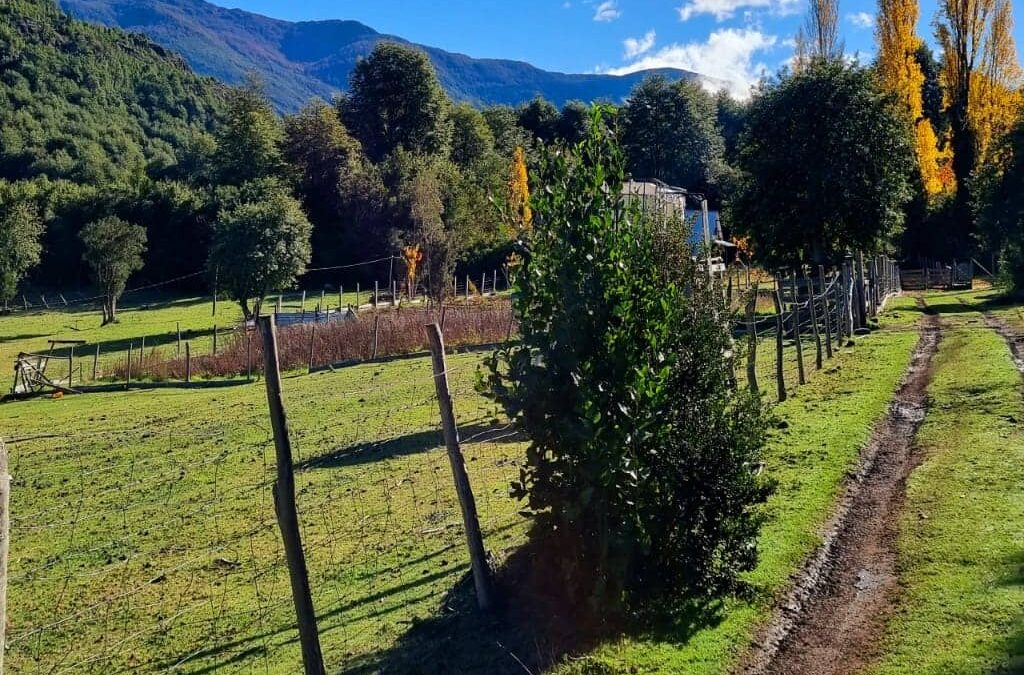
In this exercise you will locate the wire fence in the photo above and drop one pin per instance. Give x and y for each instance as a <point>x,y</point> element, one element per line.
<point>153,546</point>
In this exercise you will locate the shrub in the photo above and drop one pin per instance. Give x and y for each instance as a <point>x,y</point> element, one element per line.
<point>641,473</point>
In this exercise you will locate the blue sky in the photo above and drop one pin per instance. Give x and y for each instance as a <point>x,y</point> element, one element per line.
<point>734,40</point>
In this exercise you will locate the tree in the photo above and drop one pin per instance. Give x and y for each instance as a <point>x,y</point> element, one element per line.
<point>395,101</point>
<point>1000,206</point>
<point>573,122</point>
<point>979,67</point>
<point>900,73</point>
<point>669,132</point>
<point>20,230</point>
<point>825,164</point>
<point>518,200</point>
<point>931,91</point>
<point>249,139</point>
<point>472,140</point>
<point>113,250</point>
<point>821,30</point>
<point>260,243</point>
<point>640,474</point>
<point>504,124</point>
<point>540,118</point>
<point>424,193</point>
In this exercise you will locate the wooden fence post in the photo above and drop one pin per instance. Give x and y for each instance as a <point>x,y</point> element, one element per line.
<point>71,363</point>
<point>376,334</point>
<point>341,297</point>
<point>95,361</point>
<point>796,331</point>
<point>312,336</point>
<point>142,353</point>
<point>467,288</point>
<point>828,311</point>
<point>474,539</point>
<point>780,377</point>
<point>322,307</point>
<point>859,296</point>
<point>847,298</point>
<point>248,357</point>
<point>752,341</point>
<point>215,339</point>
<point>5,544</point>
<point>394,293</point>
<point>178,329</point>
<point>284,505</point>
<point>483,284</point>
<point>814,320</point>
<point>128,372</point>
<point>357,297</point>
<point>188,362</point>
<point>376,294</point>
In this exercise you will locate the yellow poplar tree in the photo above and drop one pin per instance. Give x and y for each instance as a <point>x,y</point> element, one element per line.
<point>981,76</point>
<point>901,73</point>
<point>519,192</point>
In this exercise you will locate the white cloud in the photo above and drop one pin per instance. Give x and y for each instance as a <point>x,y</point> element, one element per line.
<point>861,19</point>
<point>726,9</point>
<point>728,55</point>
<point>636,46</point>
<point>607,11</point>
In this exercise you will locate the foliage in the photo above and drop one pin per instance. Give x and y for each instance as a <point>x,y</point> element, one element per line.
<point>540,119</point>
<point>519,194</point>
<point>395,101</point>
<point>114,250</point>
<point>20,230</point>
<point>980,72</point>
<point>669,132</point>
<point>88,104</point>
<point>260,242</point>
<point>472,139</point>
<point>640,472</point>
<point>249,139</point>
<point>900,72</point>
<point>825,160</point>
<point>1000,207</point>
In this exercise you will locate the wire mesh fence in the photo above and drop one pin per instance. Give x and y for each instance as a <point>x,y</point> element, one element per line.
<point>150,545</point>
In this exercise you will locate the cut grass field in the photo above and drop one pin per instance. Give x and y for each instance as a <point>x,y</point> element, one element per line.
<point>143,534</point>
<point>961,549</point>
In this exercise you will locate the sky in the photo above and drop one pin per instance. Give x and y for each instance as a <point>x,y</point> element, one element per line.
<point>734,40</point>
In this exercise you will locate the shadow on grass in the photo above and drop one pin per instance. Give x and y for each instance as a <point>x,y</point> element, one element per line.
<point>530,630</point>
<point>409,444</point>
<point>1013,645</point>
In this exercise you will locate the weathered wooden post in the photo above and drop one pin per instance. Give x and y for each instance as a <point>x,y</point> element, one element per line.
<point>128,372</point>
<point>322,307</point>
<point>394,293</point>
<point>828,311</point>
<point>177,327</point>
<point>483,284</point>
<point>95,361</point>
<point>859,295</point>
<point>780,377</point>
<point>142,353</point>
<point>188,362</point>
<point>376,294</point>
<point>796,332</point>
<point>752,341</point>
<point>814,320</point>
<point>215,339</point>
<point>341,298</point>
<point>357,296</point>
<point>5,544</point>
<point>474,538</point>
<point>467,288</point>
<point>376,334</point>
<point>71,362</point>
<point>849,297</point>
<point>285,508</point>
<point>312,344</point>
<point>248,356</point>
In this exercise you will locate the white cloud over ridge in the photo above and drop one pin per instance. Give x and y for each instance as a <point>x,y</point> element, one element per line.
<point>607,11</point>
<point>728,55</point>
<point>726,9</point>
<point>634,47</point>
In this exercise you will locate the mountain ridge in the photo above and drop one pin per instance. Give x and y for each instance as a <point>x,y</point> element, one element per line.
<point>306,59</point>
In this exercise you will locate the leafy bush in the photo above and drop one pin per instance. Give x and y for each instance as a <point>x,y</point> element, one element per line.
<point>642,468</point>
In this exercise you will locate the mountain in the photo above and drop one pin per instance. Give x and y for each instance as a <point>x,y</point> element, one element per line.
<point>314,58</point>
<point>91,104</point>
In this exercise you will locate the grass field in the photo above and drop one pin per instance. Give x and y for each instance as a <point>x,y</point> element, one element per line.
<point>143,535</point>
<point>962,543</point>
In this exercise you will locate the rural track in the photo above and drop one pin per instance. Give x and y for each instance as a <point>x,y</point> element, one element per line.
<point>833,617</point>
<point>1014,338</point>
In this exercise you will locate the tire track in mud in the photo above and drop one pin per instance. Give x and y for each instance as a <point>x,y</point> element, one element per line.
<point>832,619</point>
<point>1014,338</point>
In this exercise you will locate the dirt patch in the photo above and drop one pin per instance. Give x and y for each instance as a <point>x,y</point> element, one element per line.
<point>832,620</point>
<point>1014,338</point>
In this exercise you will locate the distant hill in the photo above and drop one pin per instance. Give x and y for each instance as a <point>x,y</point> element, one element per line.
<point>90,104</point>
<point>314,58</point>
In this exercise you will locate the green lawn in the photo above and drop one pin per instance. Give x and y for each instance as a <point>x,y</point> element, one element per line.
<point>962,543</point>
<point>143,533</point>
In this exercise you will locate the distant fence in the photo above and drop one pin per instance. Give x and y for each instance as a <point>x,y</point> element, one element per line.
<point>957,275</point>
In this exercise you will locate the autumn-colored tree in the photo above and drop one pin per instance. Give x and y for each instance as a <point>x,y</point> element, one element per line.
<point>901,73</point>
<point>980,75</point>
<point>519,193</point>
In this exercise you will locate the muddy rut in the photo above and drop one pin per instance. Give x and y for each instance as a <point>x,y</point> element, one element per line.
<point>832,620</point>
<point>1014,338</point>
